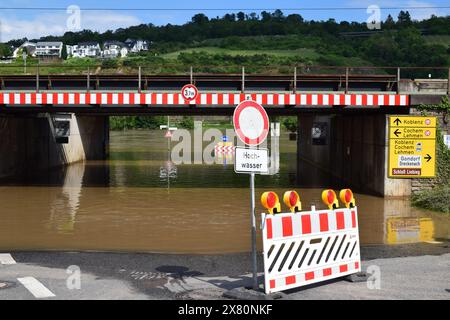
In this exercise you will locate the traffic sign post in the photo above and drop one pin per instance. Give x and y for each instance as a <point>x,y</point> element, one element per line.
<point>168,134</point>
<point>251,124</point>
<point>412,147</point>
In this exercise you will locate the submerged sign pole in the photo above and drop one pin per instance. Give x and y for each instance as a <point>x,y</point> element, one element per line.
<point>251,124</point>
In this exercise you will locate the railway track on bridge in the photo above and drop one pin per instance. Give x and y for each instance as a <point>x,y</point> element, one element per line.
<point>221,82</point>
<point>219,93</point>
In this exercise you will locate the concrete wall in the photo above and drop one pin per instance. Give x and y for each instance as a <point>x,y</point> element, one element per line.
<point>28,144</point>
<point>424,86</point>
<point>93,134</point>
<point>358,145</point>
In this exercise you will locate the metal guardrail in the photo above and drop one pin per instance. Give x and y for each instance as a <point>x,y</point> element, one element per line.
<point>297,73</point>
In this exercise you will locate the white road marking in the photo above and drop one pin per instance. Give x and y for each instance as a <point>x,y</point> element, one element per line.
<point>36,288</point>
<point>6,258</point>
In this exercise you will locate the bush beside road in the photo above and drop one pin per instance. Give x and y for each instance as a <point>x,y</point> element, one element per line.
<point>437,198</point>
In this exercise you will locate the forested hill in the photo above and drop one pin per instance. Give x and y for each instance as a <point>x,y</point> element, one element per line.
<point>277,38</point>
<point>276,23</point>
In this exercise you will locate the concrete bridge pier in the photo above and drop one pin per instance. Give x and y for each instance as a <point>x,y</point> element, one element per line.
<point>346,150</point>
<point>28,142</point>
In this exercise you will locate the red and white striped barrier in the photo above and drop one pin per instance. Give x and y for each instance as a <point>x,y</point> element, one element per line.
<point>223,149</point>
<point>267,99</point>
<point>308,247</point>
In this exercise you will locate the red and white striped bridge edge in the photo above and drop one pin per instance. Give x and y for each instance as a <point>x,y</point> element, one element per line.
<point>224,149</point>
<point>308,247</point>
<point>267,99</point>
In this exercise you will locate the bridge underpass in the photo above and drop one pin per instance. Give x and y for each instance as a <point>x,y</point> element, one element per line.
<point>353,151</point>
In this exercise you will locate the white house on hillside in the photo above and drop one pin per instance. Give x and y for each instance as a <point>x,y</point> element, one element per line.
<point>89,49</point>
<point>114,49</point>
<point>137,45</point>
<point>30,47</point>
<point>49,49</point>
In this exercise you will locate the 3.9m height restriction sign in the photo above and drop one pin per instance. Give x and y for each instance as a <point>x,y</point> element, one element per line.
<point>189,92</point>
<point>251,123</point>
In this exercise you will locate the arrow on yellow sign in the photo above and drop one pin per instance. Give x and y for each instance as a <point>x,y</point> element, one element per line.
<point>412,133</point>
<point>397,121</point>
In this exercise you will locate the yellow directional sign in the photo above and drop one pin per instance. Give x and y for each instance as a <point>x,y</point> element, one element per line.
<point>412,121</point>
<point>412,147</point>
<point>412,133</point>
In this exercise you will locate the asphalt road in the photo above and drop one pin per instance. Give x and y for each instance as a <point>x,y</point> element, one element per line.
<point>419,271</point>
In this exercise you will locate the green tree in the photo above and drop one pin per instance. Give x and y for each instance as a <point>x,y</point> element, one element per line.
<point>266,16</point>
<point>294,18</point>
<point>64,52</point>
<point>278,15</point>
<point>389,23</point>
<point>253,16</point>
<point>186,122</point>
<point>404,19</point>
<point>290,123</point>
<point>229,17</point>
<point>200,19</point>
<point>135,122</point>
<point>5,50</point>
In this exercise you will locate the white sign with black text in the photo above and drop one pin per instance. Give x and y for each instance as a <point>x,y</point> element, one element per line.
<point>447,140</point>
<point>251,160</point>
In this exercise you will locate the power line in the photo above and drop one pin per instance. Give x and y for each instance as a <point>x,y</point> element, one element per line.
<point>224,9</point>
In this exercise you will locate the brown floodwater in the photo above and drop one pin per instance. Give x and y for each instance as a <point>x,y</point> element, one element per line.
<point>138,201</point>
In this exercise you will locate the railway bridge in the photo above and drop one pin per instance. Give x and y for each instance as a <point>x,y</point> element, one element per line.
<point>354,108</point>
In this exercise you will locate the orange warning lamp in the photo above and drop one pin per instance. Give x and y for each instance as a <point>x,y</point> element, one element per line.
<point>330,199</point>
<point>292,200</point>
<point>270,201</point>
<point>346,196</point>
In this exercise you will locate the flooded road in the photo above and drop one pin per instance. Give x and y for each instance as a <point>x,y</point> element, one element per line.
<point>139,201</point>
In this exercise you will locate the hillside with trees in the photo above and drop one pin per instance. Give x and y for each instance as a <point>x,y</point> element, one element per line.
<point>274,39</point>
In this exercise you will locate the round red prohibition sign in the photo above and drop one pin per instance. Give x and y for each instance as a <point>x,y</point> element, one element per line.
<point>251,123</point>
<point>189,92</point>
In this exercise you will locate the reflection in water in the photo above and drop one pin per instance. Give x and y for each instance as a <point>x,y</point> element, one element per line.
<point>123,204</point>
<point>409,230</point>
<point>405,224</point>
<point>64,206</point>
<point>168,171</point>
<point>224,153</point>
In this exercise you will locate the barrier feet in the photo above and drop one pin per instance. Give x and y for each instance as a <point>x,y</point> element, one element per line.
<point>248,293</point>
<point>357,277</point>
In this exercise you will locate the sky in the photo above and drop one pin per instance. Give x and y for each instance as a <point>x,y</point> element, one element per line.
<point>36,23</point>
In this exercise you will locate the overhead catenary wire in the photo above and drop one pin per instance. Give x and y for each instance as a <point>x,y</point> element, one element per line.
<point>225,9</point>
